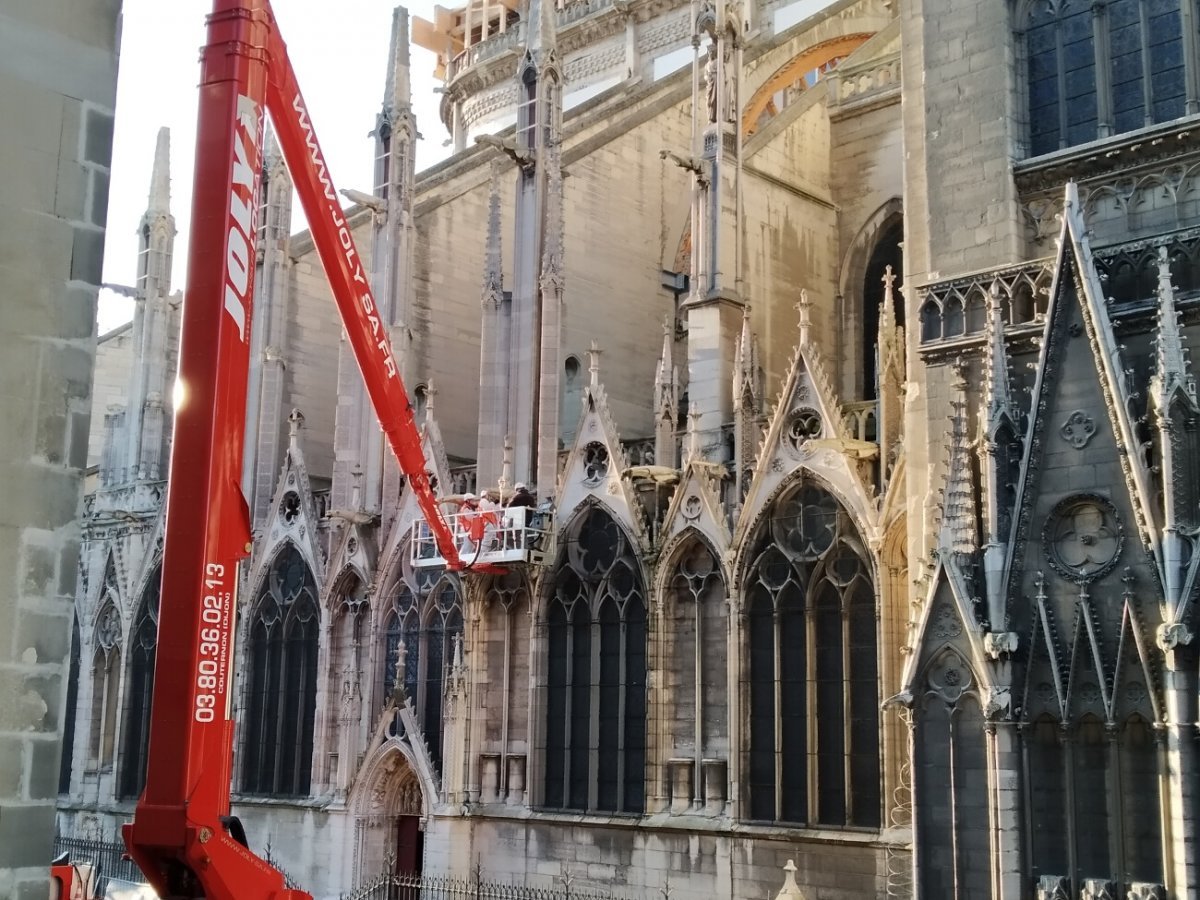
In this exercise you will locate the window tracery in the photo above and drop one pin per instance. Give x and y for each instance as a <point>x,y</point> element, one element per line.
<point>697,632</point>
<point>423,623</point>
<point>106,677</point>
<point>1095,69</point>
<point>282,680</point>
<point>813,754</point>
<point>142,647</point>
<point>596,673</point>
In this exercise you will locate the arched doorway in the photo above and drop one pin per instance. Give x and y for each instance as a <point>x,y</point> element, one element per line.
<point>888,252</point>
<point>390,834</point>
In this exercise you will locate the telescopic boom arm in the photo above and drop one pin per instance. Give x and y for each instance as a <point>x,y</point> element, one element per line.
<point>182,835</point>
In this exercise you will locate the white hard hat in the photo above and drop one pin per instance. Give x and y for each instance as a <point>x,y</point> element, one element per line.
<point>520,486</point>
<point>469,496</point>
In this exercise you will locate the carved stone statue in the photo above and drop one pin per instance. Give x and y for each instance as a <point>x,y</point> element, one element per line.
<point>710,82</point>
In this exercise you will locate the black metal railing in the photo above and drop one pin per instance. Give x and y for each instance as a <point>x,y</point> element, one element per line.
<point>107,859</point>
<point>440,887</point>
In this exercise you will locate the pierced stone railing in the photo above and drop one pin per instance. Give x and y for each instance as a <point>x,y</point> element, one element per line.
<point>862,419</point>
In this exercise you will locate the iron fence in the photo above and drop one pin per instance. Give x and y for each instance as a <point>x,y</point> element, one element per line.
<point>107,859</point>
<point>441,887</point>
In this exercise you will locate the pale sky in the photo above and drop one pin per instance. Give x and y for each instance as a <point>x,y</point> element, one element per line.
<point>339,49</point>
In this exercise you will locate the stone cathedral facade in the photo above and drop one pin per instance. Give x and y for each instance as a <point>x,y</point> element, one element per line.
<point>847,348</point>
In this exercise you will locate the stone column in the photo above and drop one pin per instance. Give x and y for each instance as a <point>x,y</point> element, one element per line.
<point>1179,817</point>
<point>58,79</point>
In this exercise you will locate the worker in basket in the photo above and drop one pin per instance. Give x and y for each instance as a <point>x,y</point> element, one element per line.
<point>474,521</point>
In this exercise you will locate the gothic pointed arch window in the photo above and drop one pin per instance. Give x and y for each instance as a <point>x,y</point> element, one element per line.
<point>953,829</point>
<point>697,624</point>
<point>421,628</point>
<point>595,625</point>
<point>813,749</point>
<point>506,691</point>
<point>1097,69</point>
<point>1093,792</point>
<point>106,679</point>
<point>142,644</point>
<point>282,680</point>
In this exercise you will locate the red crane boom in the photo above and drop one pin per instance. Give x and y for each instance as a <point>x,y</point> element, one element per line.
<point>182,835</point>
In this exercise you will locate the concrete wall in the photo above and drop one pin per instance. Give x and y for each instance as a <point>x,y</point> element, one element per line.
<point>611,854</point>
<point>58,71</point>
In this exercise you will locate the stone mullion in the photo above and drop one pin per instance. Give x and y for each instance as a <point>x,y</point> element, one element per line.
<point>811,733</point>
<point>698,700</point>
<point>475,627</point>
<point>1190,17</point>
<point>735,677</point>
<point>1005,813</point>
<point>657,658</point>
<point>623,686</point>
<point>1061,67</point>
<point>778,731</point>
<point>1113,784</point>
<point>953,775</point>
<point>568,722</point>
<point>1067,742</point>
<point>1104,99</point>
<point>1178,761</point>
<point>536,720</point>
<point>594,710</point>
<point>1147,69</point>
<point>847,715</point>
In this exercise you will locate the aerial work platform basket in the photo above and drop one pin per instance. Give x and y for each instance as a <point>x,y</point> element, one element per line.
<point>486,537</point>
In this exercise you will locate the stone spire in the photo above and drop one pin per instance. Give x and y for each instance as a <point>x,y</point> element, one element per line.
<point>155,323</point>
<point>999,456</point>
<point>959,531</point>
<point>397,93</point>
<point>1174,409</point>
<point>531,323</point>
<point>997,391</point>
<point>746,392</point>
<point>160,177</point>
<point>262,453</point>
<point>157,230</point>
<point>358,441</point>
<point>1171,369</point>
<point>666,399</point>
<point>891,377</point>
<point>747,404</point>
<point>550,285</point>
<point>493,273</point>
<point>493,348</point>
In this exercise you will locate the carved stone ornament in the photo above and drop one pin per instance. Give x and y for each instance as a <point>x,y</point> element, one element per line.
<point>595,463</point>
<point>1053,887</point>
<point>691,507</point>
<point>949,677</point>
<point>999,704</point>
<point>945,623</point>
<point>1172,635</point>
<point>1144,890</point>
<point>1078,429</point>
<point>289,510</point>
<point>998,644</point>
<point>1098,889</point>
<point>1082,538</point>
<point>108,629</point>
<point>803,425</point>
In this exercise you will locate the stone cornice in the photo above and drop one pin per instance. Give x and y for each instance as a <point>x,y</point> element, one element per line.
<point>1123,153</point>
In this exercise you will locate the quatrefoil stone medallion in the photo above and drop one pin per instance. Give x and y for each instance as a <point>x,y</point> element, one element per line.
<point>1078,429</point>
